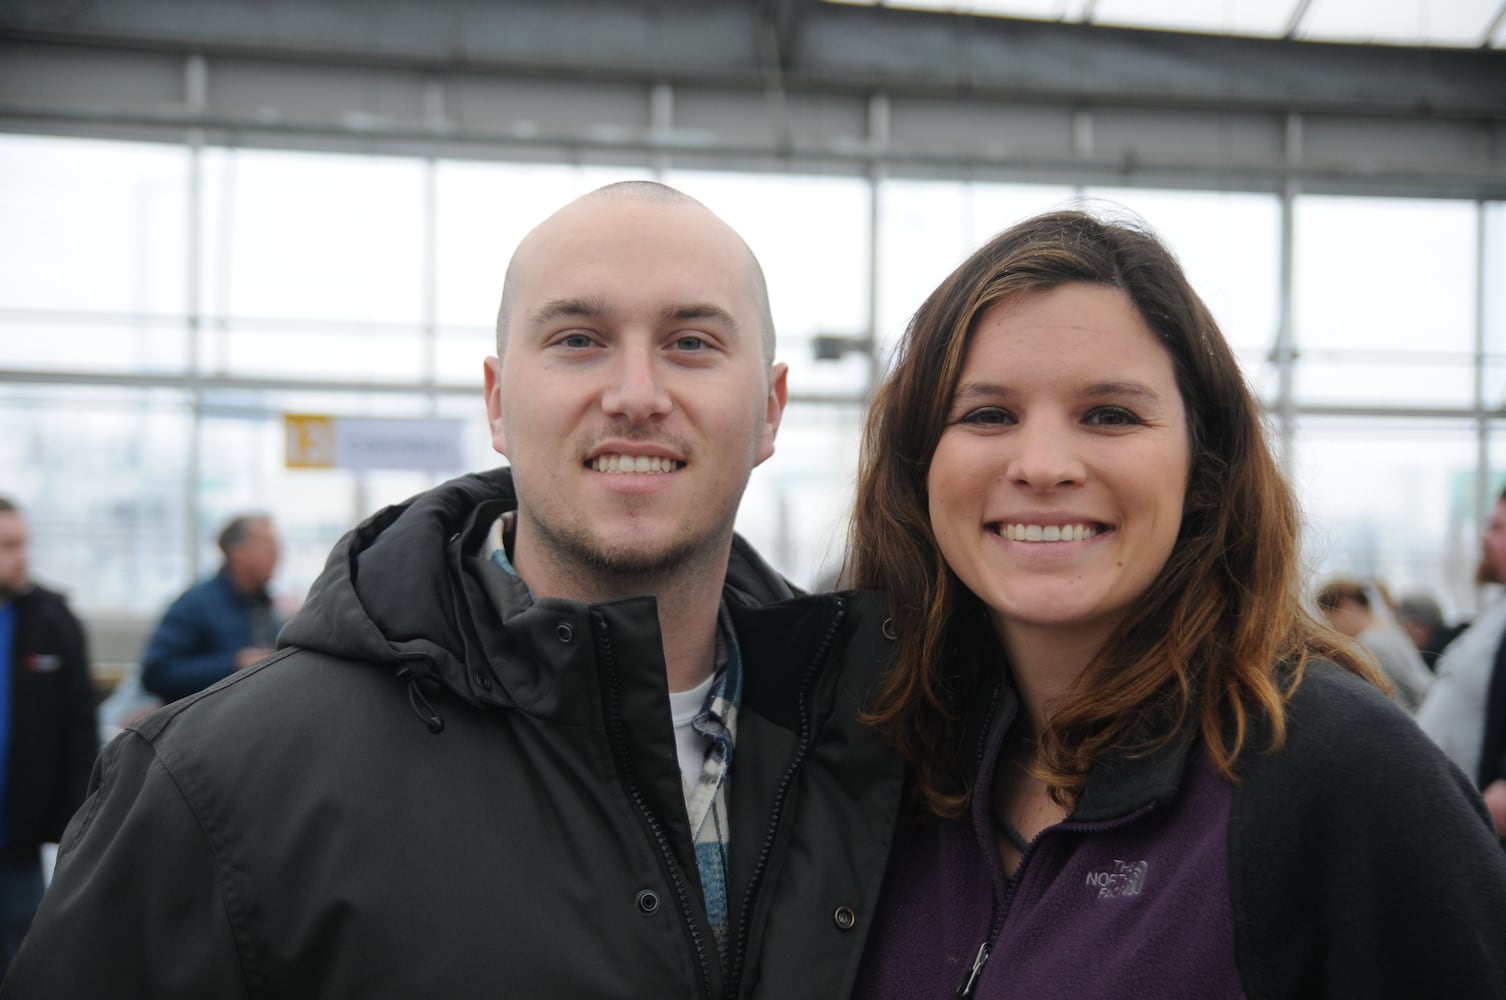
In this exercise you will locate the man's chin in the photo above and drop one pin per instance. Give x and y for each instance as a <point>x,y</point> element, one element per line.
<point>638,561</point>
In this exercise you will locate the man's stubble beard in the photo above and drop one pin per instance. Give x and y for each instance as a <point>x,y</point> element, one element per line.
<point>624,570</point>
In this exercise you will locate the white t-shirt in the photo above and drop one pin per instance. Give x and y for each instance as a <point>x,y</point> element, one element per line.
<point>691,746</point>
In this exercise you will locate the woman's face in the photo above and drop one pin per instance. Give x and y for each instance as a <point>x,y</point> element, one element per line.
<point>1056,487</point>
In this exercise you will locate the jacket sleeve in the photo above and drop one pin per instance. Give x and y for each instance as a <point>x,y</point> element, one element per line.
<point>1363,862</point>
<point>183,656</point>
<point>134,909</point>
<point>82,725</point>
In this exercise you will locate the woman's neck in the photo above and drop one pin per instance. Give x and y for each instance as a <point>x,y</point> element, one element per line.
<point>1045,662</point>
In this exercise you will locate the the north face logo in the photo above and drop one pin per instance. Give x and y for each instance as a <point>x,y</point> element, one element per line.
<point>1122,878</point>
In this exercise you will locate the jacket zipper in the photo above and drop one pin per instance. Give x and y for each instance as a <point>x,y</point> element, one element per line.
<point>734,978</point>
<point>1001,907</point>
<point>1001,910</point>
<point>619,752</point>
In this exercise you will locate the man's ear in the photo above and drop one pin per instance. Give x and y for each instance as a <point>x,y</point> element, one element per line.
<point>493,382</point>
<point>778,396</point>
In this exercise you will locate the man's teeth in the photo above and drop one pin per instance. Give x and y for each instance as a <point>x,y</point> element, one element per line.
<point>1048,532</point>
<point>634,463</point>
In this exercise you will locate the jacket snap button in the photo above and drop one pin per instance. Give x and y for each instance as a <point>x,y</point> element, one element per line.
<point>844,918</point>
<point>483,681</point>
<point>648,902</point>
<point>565,631</point>
<point>890,632</point>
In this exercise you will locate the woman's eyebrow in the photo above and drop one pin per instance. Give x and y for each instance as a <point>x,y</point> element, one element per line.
<point>1138,389</point>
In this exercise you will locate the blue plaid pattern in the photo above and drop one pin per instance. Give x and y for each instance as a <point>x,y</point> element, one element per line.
<point>706,799</point>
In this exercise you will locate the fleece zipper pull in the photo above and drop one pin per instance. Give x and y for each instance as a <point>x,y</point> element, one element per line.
<point>967,988</point>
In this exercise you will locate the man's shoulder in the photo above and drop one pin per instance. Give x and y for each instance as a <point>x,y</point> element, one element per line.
<point>281,701</point>
<point>42,603</point>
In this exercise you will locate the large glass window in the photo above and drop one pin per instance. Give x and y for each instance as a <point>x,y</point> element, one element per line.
<point>314,266</point>
<point>1384,303</point>
<point>377,279</point>
<point>95,255</point>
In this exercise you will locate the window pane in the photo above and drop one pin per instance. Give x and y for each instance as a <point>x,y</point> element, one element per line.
<point>1384,299</point>
<point>1495,304</point>
<point>302,350</point>
<point>313,236</point>
<point>1391,499</point>
<point>101,475</point>
<point>95,232</point>
<point>140,344</point>
<point>796,509</point>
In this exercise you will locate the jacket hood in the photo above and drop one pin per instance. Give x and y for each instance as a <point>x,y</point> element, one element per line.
<point>404,589</point>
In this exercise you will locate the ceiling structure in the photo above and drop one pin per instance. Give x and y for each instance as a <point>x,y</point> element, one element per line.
<point>1447,23</point>
<point>1067,95</point>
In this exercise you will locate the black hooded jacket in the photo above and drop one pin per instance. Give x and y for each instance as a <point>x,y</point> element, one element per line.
<point>417,799</point>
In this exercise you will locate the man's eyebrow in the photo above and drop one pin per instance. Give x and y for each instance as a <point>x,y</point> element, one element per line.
<point>582,308</point>
<point>596,308</point>
<point>700,310</point>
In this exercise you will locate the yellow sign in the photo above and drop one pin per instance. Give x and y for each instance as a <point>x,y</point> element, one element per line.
<point>316,441</point>
<point>310,441</point>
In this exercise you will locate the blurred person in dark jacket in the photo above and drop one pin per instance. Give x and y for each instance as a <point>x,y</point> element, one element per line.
<point>222,624</point>
<point>48,738</point>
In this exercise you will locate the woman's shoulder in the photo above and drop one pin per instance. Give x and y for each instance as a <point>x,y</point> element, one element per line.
<point>1334,854</point>
<point>1352,755</point>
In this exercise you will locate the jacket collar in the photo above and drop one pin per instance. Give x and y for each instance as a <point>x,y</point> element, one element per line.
<point>1123,782</point>
<point>407,590</point>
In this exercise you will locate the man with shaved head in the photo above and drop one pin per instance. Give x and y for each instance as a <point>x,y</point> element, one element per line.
<point>552,730</point>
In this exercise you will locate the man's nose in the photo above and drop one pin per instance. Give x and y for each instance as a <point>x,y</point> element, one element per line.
<point>636,388</point>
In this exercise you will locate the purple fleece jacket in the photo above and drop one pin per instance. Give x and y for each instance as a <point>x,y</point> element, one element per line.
<point>1356,862</point>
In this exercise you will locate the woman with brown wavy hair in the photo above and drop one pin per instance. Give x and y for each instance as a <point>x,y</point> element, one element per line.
<point>1139,767</point>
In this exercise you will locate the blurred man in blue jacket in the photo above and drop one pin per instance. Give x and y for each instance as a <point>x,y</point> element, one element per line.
<point>222,624</point>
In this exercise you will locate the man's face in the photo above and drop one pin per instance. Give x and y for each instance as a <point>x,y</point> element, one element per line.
<point>14,539</point>
<point>633,399</point>
<point>254,560</point>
